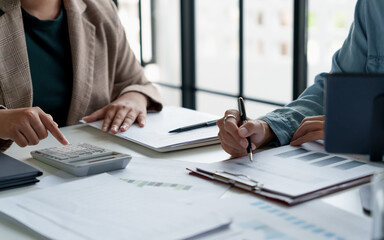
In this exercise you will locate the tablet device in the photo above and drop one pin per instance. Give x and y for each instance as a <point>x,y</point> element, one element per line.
<point>353,116</point>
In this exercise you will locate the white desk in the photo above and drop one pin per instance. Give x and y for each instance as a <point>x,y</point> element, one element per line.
<point>348,200</point>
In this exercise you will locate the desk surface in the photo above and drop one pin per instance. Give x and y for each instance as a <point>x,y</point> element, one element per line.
<point>347,200</point>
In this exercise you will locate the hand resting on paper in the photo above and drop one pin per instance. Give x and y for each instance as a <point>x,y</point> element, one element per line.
<point>122,113</point>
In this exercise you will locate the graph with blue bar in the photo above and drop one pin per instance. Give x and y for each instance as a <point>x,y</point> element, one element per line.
<point>326,159</point>
<point>259,230</point>
<point>296,222</point>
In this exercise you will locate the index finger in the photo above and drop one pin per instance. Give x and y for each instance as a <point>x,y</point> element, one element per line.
<point>231,123</point>
<point>53,128</point>
<point>313,118</point>
<point>309,126</point>
<point>234,116</point>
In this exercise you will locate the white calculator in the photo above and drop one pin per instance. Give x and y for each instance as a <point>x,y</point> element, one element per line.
<point>82,159</point>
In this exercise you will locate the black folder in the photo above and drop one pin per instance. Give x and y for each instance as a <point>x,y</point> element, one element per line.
<point>15,173</point>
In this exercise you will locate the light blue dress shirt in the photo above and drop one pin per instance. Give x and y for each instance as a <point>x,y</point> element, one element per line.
<point>362,52</point>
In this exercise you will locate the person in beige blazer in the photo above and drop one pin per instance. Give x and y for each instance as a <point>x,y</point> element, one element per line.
<point>108,81</point>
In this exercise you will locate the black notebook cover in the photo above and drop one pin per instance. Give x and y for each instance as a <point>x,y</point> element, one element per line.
<point>14,173</point>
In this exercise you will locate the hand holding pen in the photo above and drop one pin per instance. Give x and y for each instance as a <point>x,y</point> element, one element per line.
<point>243,117</point>
<point>233,133</point>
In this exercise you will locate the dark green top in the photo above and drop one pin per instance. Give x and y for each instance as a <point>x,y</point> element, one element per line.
<point>50,62</point>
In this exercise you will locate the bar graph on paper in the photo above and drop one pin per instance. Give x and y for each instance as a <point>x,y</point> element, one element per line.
<point>298,158</point>
<point>143,183</point>
<point>321,159</point>
<point>311,229</point>
<point>253,225</point>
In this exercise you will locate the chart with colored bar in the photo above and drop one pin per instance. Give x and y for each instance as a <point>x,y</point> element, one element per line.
<point>263,220</point>
<point>292,220</point>
<point>143,183</point>
<point>293,174</point>
<point>325,159</point>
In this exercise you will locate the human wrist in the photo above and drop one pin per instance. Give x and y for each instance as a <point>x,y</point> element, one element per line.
<point>3,112</point>
<point>269,135</point>
<point>137,96</point>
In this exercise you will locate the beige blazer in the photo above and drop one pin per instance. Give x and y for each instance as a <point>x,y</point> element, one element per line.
<point>104,66</point>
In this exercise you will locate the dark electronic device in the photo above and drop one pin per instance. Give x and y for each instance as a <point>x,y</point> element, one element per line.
<point>354,114</point>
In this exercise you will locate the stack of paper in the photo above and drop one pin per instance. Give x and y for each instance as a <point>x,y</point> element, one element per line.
<point>104,207</point>
<point>155,133</point>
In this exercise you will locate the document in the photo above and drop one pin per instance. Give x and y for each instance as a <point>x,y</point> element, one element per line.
<point>169,178</point>
<point>155,133</point>
<point>255,218</point>
<point>291,174</point>
<point>104,207</point>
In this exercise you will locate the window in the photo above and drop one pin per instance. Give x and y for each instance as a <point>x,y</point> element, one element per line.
<point>328,26</point>
<point>160,41</point>
<point>253,48</point>
<point>268,53</point>
<point>267,28</point>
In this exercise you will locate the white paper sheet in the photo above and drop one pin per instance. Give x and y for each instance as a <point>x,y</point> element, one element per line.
<point>254,218</point>
<point>295,171</point>
<point>103,207</point>
<point>170,178</point>
<point>166,175</point>
<point>155,133</point>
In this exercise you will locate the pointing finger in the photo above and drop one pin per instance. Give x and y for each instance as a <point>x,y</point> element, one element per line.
<point>53,128</point>
<point>99,114</point>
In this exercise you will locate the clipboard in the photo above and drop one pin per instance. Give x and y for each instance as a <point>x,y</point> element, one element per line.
<point>258,189</point>
<point>290,193</point>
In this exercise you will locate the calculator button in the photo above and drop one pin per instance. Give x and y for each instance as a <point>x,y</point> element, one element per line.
<point>72,153</point>
<point>82,159</point>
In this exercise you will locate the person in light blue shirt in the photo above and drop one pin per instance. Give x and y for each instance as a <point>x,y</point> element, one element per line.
<point>303,119</point>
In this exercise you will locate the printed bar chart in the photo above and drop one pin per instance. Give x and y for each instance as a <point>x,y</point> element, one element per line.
<point>302,155</point>
<point>143,183</point>
<point>295,222</point>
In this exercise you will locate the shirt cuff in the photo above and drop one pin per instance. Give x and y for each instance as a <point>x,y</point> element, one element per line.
<point>280,126</point>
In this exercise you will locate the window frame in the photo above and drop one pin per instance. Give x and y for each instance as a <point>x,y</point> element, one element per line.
<point>188,52</point>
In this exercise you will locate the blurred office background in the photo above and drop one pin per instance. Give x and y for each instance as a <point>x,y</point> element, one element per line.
<point>205,53</point>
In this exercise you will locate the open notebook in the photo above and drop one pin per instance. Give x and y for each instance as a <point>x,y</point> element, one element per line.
<point>155,133</point>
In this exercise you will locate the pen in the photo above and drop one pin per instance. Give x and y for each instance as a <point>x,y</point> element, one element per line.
<point>194,126</point>
<point>243,117</point>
